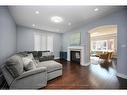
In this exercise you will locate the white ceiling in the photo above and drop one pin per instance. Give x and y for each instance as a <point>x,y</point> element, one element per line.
<point>77,15</point>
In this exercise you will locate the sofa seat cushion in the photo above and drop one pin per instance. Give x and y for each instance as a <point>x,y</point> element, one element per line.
<point>51,65</point>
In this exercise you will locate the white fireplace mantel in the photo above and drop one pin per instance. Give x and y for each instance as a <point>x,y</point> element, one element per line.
<point>77,48</point>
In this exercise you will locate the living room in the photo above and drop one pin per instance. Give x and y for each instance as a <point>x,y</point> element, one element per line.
<point>58,39</point>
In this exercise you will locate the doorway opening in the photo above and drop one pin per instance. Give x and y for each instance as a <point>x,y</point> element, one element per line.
<point>103,45</point>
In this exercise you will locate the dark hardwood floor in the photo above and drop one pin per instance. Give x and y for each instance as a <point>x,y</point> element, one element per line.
<point>101,76</point>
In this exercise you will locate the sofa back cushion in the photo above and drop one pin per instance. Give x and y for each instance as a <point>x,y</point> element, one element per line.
<point>35,53</point>
<point>15,65</point>
<point>46,53</point>
<point>39,53</point>
<point>22,54</point>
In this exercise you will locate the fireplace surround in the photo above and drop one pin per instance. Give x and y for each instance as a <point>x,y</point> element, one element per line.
<point>82,55</point>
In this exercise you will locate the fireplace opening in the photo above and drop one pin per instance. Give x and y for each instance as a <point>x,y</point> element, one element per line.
<point>75,56</point>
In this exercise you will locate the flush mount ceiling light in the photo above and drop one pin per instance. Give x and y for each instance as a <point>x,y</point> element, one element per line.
<point>56,19</point>
<point>33,25</point>
<point>96,9</point>
<point>69,23</point>
<point>37,12</point>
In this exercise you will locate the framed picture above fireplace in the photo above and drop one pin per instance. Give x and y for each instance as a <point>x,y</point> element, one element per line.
<point>75,39</point>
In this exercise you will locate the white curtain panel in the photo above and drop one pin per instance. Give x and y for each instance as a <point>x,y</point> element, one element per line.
<point>43,41</point>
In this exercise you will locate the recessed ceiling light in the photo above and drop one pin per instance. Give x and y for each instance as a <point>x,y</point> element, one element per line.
<point>56,19</point>
<point>33,25</point>
<point>37,12</point>
<point>96,9</point>
<point>69,23</point>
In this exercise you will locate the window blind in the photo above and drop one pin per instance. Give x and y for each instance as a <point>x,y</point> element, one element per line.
<point>43,41</point>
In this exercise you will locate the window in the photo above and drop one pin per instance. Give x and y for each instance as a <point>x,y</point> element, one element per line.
<point>103,45</point>
<point>37,41</point>
<point>111,44</point>
<point>43,41</point>
<point>50,43</point>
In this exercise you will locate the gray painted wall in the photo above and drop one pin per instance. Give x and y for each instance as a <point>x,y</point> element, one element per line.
<point>119,19</point>
<point>25,40</point>
<point>7,34</point>
<point>7,37</point>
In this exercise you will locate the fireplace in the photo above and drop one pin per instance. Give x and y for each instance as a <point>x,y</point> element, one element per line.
<point>79,49</point>
<point>75,56</point>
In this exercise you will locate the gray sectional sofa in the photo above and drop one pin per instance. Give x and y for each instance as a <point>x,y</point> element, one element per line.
<point>22,71</point>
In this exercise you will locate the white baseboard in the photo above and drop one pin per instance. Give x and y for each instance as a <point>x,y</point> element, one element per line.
<point>86,64</point>
<point>57,58</point>
<point>122,75</point>
<point>68,60</point>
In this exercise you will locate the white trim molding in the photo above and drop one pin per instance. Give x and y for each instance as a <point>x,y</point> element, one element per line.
<point>77,48</point>
<point>122,75</point>
<point>87,64</point>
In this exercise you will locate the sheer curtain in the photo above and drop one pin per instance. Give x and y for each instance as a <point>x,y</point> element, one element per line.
<point>37,41</point>
<point>43,41</point>
<point>50,43</point>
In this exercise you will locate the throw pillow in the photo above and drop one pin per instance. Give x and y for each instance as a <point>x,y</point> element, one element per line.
<point>28,64</point>
<point>15,65</point>
<point>30,56</point>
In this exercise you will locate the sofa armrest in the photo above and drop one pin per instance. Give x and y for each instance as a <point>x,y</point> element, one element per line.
<point>32,72</point>
<point>32,79</point>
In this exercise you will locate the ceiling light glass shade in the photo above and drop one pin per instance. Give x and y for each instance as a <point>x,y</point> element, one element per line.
<point>96,9</point>
<point>37,12</point>
<point>56,19</point>
<point>33,25</point>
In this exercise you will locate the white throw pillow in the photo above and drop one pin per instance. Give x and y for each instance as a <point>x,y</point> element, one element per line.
<point>28,64</point>
<point>30,56</point>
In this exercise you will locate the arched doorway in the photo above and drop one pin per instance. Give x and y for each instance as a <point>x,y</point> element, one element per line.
<point>102,39</point>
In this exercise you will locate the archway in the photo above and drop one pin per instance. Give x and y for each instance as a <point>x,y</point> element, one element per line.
<point>102,39</point>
